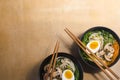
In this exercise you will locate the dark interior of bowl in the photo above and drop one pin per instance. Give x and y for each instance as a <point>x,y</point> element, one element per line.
<point>90,63</point>
<point>75,61</point>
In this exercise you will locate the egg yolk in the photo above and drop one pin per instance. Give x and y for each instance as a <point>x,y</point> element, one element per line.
<point>94,45</point>
<point>68,74</point>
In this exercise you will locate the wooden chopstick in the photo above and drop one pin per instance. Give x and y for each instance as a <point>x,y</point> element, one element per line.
<point>53,61</point>
<point>93,55</point>
<point>56,52</point>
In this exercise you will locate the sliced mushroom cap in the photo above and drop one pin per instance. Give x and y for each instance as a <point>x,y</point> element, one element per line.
<point>100,54</point>
<point>109,47</point>
<point>46,77</point>
<point>58,72</point>
<point>46,67</point>
<point>108,56</point>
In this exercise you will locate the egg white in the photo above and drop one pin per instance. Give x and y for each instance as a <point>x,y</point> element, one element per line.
<point>64,77</point>
<point>96,49</point>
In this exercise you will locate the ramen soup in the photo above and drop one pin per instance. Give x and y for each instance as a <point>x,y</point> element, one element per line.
<point>102,44</point>
<point>65,69</point>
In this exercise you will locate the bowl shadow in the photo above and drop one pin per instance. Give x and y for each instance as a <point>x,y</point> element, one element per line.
<point>34,73</point>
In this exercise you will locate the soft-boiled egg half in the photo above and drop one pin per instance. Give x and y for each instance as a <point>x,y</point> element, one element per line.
<point>94,46</point>
<point>68,75</point>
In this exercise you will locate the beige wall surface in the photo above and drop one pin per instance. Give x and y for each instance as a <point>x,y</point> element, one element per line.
<point>29,29</point>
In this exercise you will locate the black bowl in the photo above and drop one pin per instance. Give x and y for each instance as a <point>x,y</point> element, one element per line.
<point>90,63</point>
<point>75,61</point>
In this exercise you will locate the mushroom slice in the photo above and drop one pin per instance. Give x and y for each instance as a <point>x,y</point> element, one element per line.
<point>100,54</point>
<point>46,67</point>
<point>58,72</point>
<point>109,47</point>
<point>108,56</point>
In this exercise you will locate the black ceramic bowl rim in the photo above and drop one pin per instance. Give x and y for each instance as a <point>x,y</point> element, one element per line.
<point>75,61</point>
<point>90,63</point>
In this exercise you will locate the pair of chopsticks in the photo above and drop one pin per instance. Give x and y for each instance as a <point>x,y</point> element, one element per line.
<point>95,59</point>
<point>53,61</point>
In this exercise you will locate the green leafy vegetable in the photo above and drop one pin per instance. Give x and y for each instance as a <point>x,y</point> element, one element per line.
<point>76,73</point>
